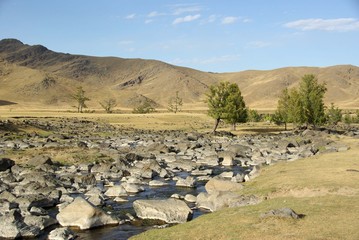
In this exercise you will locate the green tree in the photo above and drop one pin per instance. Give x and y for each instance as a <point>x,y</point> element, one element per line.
<point>283,112</point>
<point>80,98</point>
<point>175,103</point>
<point>253,115</point>
<point>108,104</point>
<point>225,102</point>
<point>235,110</point>
<point>334,115</point>
<point>311,99</point>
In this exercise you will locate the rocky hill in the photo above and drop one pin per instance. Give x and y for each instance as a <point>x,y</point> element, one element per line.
<point>34,76</point>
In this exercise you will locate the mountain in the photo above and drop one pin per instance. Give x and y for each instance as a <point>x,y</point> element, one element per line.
<point>34,76</point>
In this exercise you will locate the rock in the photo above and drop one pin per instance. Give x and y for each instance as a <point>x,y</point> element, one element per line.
<point>84,215</point>
<point>6,164</point>
<point>157,183</point>
<point>132,188</point>
<point>219,200</point>
<point>239,150</point>
<point>35,200</point>
<point>40,222</point>
<point>190,198</point>
<point>63,233</point>
<point>282,213</point>
<point>39,160</point>
<point>12,226</point>
<point>188,182</point>
<point>169,210</point>
<point>219,185</point>
<point>227,158</point>
<point>116,191</point>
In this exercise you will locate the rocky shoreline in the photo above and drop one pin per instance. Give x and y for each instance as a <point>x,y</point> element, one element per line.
<point>38,192</point>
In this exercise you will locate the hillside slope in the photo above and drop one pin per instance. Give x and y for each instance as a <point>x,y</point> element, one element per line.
<point>34,76</point>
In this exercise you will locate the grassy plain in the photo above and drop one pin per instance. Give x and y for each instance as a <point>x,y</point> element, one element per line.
<point>324,188</point>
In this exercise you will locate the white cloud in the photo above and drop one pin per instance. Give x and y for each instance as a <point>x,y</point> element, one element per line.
<point>188,18</point>
<point>147,21</point>
<point>337,24</point>
<point>131,16</point>
<point>229,20</point>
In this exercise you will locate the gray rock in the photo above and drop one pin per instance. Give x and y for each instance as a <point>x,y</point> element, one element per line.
<point>169,210</point>
<point>220,185</point>
<point>157,183</point>
<point>84,215</point>
<point>282,213</point>
<point>12,226</point>
<point>190,198</point>
<point>116,191</point>
<point>63,233</point>
<point>219,200</point>
<point>39,160</point>
<point>187,182</point>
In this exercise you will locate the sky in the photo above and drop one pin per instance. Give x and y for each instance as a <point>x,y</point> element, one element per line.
<point>213,36</point>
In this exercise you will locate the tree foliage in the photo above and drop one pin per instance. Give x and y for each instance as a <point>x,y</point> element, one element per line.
<point>81,99</point>
<point>235,109</point>
<point>312,94</point>
<point>108,104</point>
<point>253,115</point>
<point>175,103</point>
<point>303,105</point>
<point>334,115</point>
<point>226,102</point>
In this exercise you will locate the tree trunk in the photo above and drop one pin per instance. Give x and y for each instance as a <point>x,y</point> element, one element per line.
<point>216,125</point>
<point>234,127</point>
<point>285,126</point>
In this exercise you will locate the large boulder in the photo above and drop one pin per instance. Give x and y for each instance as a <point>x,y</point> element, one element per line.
<point>168,210</point>
<point>217,185</point>
<point>218,200</point>
<point>84,215</point>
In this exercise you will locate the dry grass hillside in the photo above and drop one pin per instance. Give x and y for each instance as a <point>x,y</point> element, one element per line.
<point>36,77</point>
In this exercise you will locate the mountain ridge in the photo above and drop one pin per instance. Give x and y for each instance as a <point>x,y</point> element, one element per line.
<point>34,75</point>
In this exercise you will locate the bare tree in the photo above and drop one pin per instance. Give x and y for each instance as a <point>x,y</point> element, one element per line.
<point>175,103</point>
<point>108,104</point>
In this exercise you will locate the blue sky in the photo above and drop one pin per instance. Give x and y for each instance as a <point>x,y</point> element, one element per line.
<point>215,36</point>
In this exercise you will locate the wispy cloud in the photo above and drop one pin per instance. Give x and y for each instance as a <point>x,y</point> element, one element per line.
<point>125,42</point>
<point>258,44</point>
<point>337,24</point>
<point>179,9</point>
<point>229,20</point>
<point>155,14</point>
<point>130,16</point>
<point>147,21</point>
<point>188,18</point>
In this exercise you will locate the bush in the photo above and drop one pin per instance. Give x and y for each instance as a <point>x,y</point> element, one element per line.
<point>143,108</point>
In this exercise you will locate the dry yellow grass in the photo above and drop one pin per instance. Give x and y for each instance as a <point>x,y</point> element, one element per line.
<point>324,188</point>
